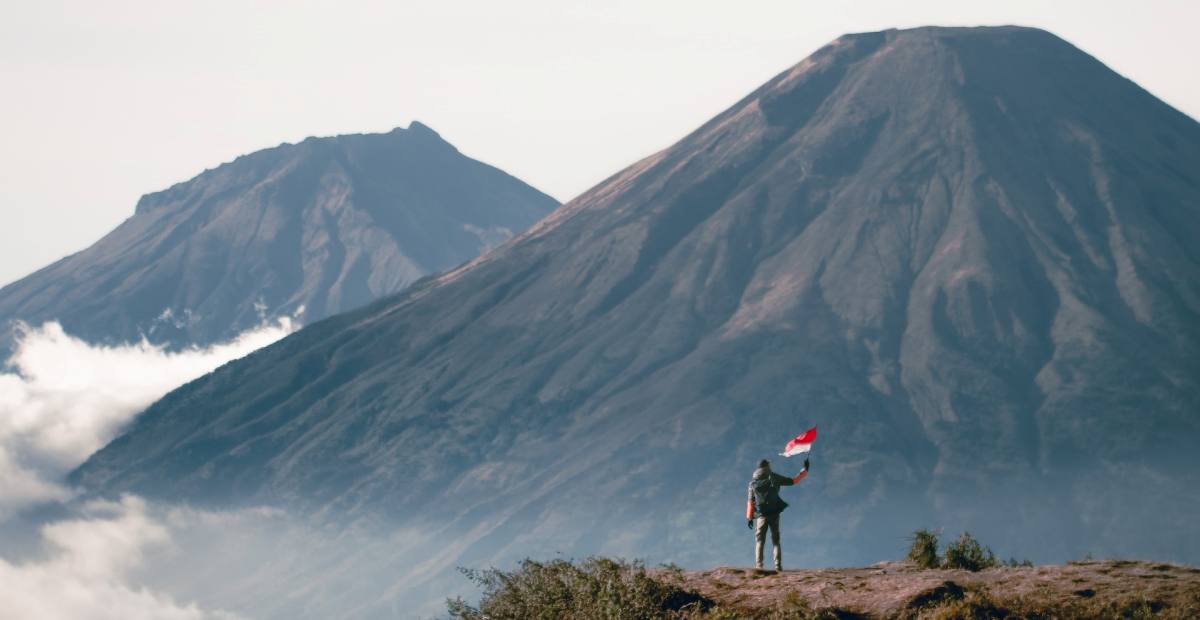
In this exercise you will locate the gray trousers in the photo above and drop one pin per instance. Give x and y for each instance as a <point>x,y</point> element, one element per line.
<point>761,525</point>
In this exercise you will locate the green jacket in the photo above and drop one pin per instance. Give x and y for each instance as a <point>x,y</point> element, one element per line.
<point>762,496</point>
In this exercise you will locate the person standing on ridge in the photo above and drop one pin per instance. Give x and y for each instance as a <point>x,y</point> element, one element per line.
<point>763,506</point>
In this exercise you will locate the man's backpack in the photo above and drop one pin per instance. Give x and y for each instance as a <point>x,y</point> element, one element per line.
<point>766,496</point>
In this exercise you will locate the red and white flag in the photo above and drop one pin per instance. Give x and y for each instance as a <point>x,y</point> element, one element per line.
<point>802,443</point>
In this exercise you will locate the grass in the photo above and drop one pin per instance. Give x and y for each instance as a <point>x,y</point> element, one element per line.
<point>607,589</point>
<point>596,588</point>
<point>951,602</point>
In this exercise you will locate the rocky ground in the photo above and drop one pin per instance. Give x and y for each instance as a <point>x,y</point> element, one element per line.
<point>1087,589</point>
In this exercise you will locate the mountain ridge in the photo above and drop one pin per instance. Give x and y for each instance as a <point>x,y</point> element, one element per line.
<point>322,225</point>
<point>414,128</point>
<point>980,291</point>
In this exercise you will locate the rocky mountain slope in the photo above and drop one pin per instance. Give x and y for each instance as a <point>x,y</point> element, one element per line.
<point>325,225</point>
<point>967,255</point>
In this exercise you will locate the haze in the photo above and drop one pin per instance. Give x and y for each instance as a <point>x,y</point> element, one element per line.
<point>107,101</point>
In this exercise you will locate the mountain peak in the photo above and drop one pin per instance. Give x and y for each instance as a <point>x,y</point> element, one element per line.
<point>966,254</point>
<point>419,127</point>
<point>290,155</point>
<point>327,224</point>
<point>903,36</point>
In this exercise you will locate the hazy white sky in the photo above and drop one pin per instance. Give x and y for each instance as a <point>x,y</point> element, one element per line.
<point>105,101</point>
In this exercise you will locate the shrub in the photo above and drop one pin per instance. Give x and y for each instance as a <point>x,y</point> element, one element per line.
<point>923,550</point>
<point>594,588</point>
<point>1137,608</point>
<point>975,605</point>
<point>794,605</point>
<point>967,553</point>
<point>947,591</point>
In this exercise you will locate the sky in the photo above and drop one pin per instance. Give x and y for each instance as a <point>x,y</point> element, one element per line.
<point>106,101</point>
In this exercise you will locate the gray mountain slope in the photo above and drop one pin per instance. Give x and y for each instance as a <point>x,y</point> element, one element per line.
<point>967,255</point>
<point>326,225</point>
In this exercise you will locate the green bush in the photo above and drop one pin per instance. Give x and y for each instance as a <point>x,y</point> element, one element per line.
<point>597,588</point>
<point>967,553</point>
<point>923,550</point>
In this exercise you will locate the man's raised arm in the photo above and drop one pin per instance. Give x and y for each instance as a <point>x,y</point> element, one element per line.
<point>800,476</point>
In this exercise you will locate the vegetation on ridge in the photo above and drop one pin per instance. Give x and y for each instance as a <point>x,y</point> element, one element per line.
<point>924,549</point>
<point>593,588</point>
<point>601,588</point>
<point>965,553</point>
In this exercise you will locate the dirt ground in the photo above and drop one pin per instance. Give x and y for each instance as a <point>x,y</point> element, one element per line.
<point>1101,589</point>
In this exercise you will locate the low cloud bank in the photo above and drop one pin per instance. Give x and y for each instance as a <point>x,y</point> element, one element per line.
<point>134,558</point>
<point>84,572</point>
<point>63,399</point>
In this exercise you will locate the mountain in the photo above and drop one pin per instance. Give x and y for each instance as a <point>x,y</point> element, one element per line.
<point>966,254</point>
<point>316,228</point>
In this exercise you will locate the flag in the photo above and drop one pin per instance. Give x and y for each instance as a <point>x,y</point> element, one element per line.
<point>802,443</point>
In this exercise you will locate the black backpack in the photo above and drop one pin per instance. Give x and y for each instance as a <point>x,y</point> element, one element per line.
<point>766,496</point>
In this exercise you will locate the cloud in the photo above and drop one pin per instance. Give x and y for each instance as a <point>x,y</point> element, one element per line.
<point>67,398</point>
<point>136,558</point>
<point>63,399</point>
<point>84,573</point>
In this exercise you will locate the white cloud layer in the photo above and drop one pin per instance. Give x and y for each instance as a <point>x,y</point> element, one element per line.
<point>61,399</point>
<point>84,574</point>
<point>67,398</point>
<point>137,559</point>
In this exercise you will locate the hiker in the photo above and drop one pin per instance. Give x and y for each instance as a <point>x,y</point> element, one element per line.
<point>763,506</point>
